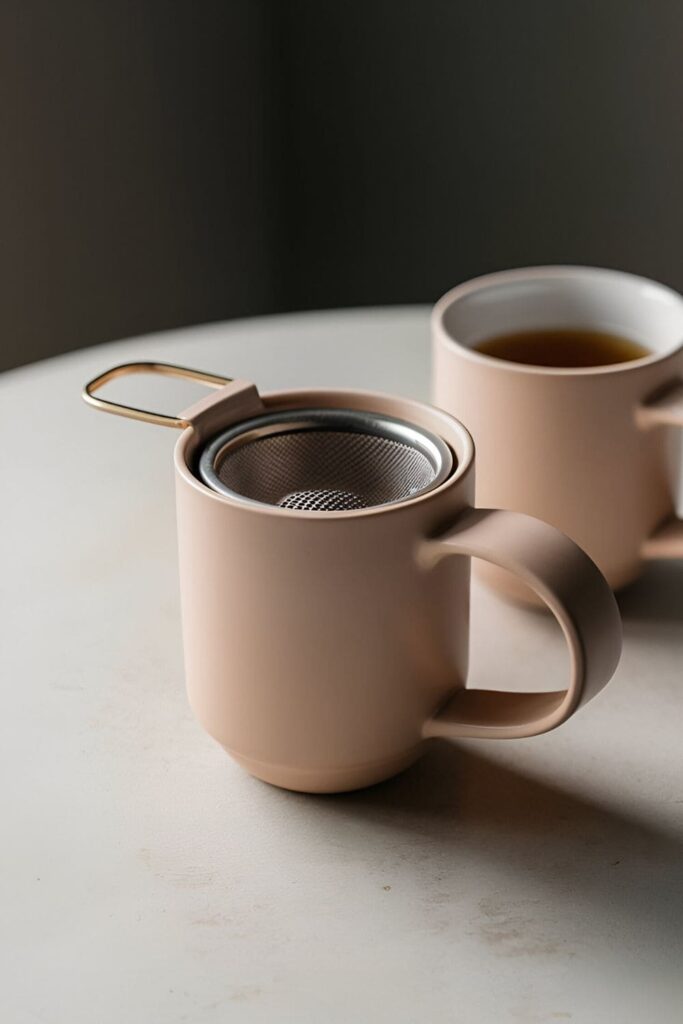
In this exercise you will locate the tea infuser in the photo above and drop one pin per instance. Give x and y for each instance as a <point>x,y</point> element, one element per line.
<point>309,460</point>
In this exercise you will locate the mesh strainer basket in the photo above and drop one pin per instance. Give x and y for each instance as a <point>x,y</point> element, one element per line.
<point>324,460</point>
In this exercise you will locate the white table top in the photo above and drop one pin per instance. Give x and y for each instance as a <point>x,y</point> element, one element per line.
<point>145,878</point>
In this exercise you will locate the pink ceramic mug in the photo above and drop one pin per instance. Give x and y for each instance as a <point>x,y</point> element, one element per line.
<point>324,649</point>
<point>587,449</point>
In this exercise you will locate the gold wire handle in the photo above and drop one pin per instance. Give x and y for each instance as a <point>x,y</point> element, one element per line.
<point>167,369</point>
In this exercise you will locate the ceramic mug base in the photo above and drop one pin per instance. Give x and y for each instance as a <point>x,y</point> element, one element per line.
<point>327,780</point>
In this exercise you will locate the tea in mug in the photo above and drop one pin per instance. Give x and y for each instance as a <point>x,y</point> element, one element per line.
<point>562,347</point>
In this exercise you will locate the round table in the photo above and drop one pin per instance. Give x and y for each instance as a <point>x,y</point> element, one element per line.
<point>147,878</point>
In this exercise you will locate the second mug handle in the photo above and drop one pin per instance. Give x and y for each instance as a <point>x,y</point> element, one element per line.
<point>575,591</point>
<point>665,409</point>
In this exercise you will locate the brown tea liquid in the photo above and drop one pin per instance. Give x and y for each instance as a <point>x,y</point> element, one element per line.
<point>566,347</point>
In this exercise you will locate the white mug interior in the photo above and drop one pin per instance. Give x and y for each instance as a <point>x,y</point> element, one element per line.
<point>539,298</point>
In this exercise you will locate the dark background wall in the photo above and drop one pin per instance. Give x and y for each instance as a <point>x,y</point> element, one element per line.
<point>165,163</point>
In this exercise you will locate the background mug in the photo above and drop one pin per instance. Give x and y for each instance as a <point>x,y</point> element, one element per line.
<point>324,649</point>
<point>587,448</point>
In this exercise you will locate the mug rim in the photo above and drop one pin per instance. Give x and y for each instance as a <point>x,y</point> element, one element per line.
<point>463,455</point>
<point>476,284</point>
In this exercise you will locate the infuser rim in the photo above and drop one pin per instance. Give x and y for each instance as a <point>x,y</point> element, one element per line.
<point>333,420</point>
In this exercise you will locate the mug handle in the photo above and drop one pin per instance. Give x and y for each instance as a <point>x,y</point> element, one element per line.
<point>575,591</point>
<point>664,409</point>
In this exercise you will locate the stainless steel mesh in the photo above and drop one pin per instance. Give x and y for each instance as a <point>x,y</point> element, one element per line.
<point>321,501</point>
<point>324,461</point>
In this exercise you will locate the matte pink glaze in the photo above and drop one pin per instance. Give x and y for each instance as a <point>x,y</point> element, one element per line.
<point>322,650</point>
<point>585,449</point>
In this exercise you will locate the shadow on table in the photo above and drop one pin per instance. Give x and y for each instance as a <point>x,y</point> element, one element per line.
<point>473,807</point>
<point>656,596</point>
